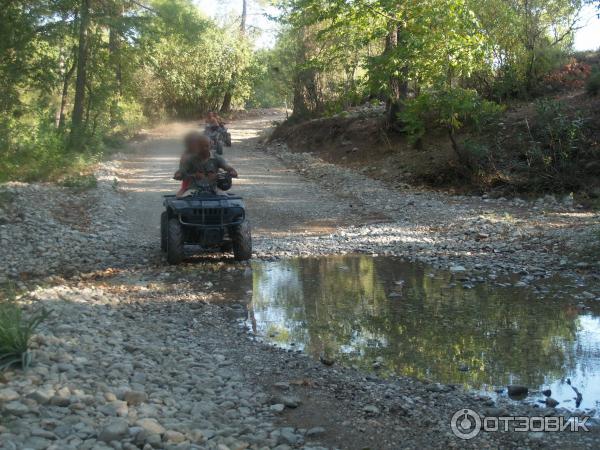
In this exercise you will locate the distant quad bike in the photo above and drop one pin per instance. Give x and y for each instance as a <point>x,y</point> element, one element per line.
<point>219,138</point>
<point>205,221</point>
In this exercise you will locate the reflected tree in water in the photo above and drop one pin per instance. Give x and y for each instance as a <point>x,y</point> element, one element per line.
<point>430,328</point>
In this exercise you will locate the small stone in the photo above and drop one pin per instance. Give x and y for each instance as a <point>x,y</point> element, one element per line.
<point>551,403</point>
<point>58,400</point>
<point>282,385</point>
<point>289,400</point>
<point>327,360</point>
<point>151,426</point>
<point>135,397</point>
<point>287,436</point>
<point>495,412</point>
<point>114,431</point>
<point>174,437</point>
<point>547,392</point>
<point>516,390</point>
<point>8,395</point>
<point>36,443</point>
<point>371,409</point>
<point>277,408</point>
<point>42,396</point>
<point>16,408</point>
<point>315,431</point>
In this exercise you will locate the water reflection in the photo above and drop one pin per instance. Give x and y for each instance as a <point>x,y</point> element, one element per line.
<point>406,320</point>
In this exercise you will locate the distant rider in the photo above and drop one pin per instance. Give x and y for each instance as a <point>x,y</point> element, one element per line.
<point>216,125</point>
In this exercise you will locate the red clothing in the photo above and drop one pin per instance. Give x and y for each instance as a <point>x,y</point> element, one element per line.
<point>185,185</point>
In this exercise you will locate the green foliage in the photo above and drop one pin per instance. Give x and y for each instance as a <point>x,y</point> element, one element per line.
<point>142,64</point>
<point>449,109</point>
<point>556,137</point>
<point>271,75</point>
<point>592,86</point>
<point>16,330</point>
<point>80,181</point>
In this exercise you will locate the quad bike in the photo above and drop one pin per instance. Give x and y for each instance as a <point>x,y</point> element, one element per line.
<point>219,137</point>
<point>205,221</point>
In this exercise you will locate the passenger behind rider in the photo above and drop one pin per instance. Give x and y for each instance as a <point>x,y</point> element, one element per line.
<point>197,165</point>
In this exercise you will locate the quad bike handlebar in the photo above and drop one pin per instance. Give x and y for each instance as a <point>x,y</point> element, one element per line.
<point>224,180</point>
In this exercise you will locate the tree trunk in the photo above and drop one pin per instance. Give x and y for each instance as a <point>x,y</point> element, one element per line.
<point>397,84</point>
<point>114,49</point>
<point>80,83</point>
<point>65,96</point>
<point>244,14</point>
<point>226,105</point>
<point>306,92</point>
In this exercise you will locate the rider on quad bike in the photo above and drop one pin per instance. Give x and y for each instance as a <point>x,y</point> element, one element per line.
<point>203,216</point>
<point>217,133</point>
<point>197,168</point>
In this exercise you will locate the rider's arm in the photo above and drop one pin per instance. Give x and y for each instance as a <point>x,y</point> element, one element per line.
<point>183,168</point>
<point>226,167</point>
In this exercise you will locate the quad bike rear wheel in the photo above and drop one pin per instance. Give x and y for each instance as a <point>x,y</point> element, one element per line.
<point>241,238</point>
<point>219,147</point>
<point>175,251</point>
<point>164,225</point>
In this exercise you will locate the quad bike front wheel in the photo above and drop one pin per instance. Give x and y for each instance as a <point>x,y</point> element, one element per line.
<point>241,238</point>
<point>164,225</point>
<point>175,251</point>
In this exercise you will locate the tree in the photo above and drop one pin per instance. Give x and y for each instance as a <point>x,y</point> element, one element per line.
<point>81,77</point>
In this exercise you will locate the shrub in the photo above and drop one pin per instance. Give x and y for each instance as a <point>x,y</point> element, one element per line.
<point>558,135</point>
<point>570,76</point>
<point>556,145</point>
<point>592,86</point>
<point>451,109</point>
<point>16,330</point>
<point>80,181</point>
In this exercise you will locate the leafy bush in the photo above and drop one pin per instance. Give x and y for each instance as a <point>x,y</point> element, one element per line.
<point>16,330</point>
<point>570,76</point>
<point>37,151</point>
<point>592,86</point>
<point>556,137</point>
<point>80,181</point>
<point>451,110</point>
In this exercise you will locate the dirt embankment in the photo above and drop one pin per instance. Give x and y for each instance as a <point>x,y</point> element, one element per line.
<point>510,158</point>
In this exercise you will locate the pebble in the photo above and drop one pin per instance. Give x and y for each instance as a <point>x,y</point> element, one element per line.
<point>114,431</point>
<point>371,409</point>
<point>8,395</point>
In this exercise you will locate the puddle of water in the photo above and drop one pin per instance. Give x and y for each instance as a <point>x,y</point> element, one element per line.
<point>404,319</point>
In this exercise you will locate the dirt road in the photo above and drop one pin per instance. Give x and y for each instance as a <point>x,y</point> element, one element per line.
<point>279,200</point>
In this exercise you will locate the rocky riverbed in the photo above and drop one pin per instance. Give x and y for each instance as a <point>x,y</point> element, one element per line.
<point>125,362</point>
